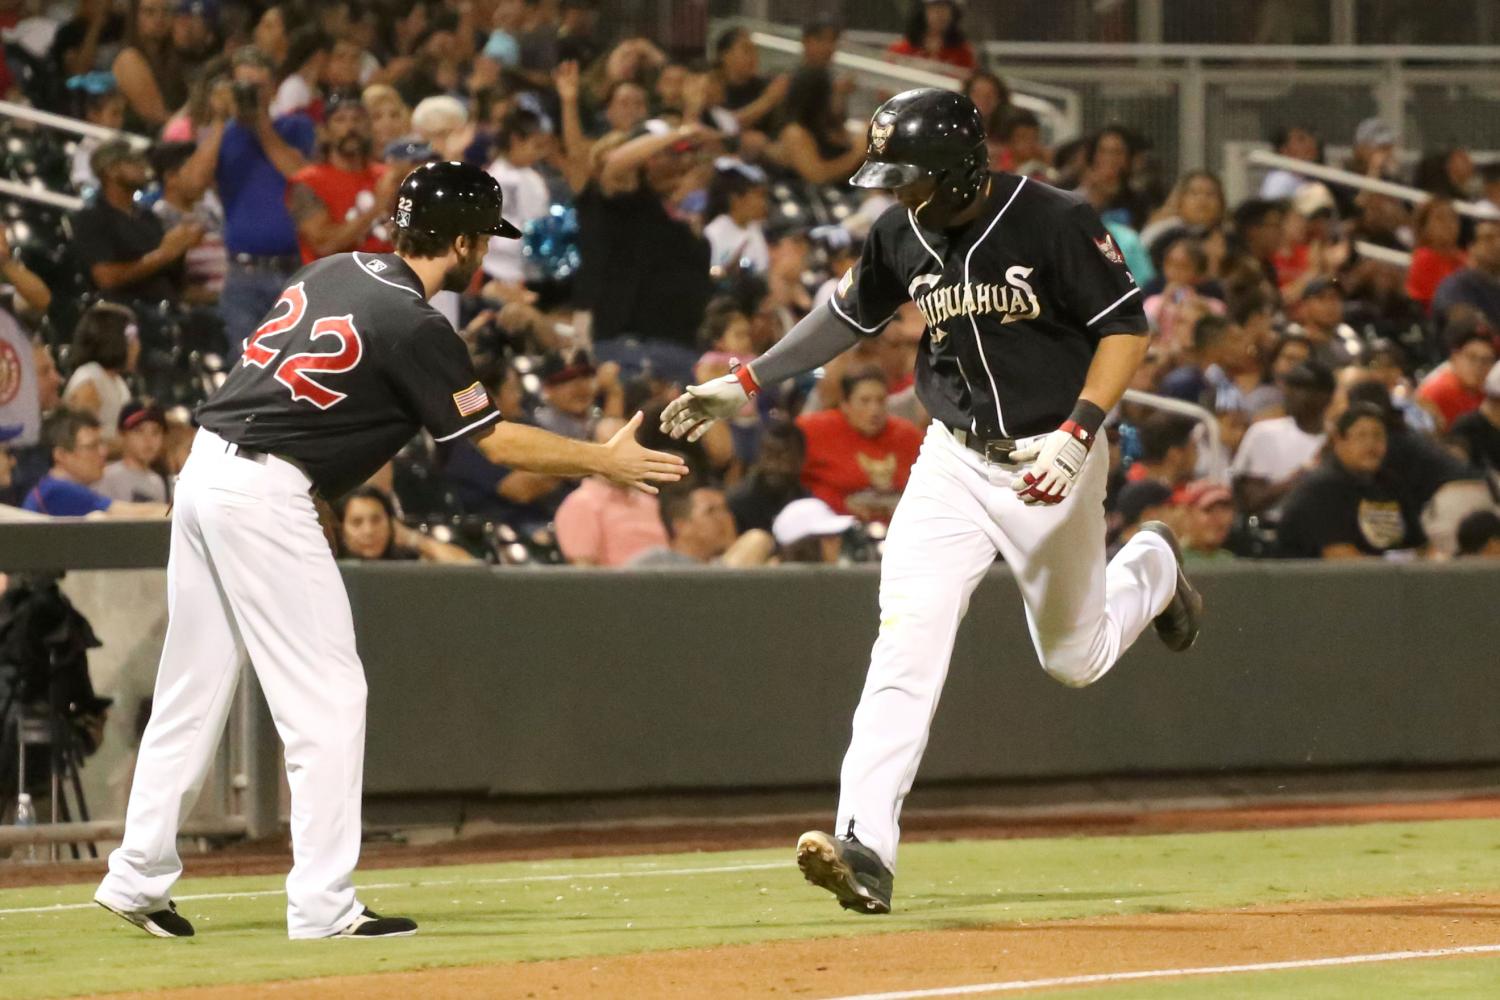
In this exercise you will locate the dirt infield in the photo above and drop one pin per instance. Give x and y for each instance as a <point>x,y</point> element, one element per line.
<point>1022,951</point>
<point>274,857</point>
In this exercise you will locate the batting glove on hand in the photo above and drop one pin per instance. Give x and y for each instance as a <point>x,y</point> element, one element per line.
<point>1056,461</point>
<point>691,414</point>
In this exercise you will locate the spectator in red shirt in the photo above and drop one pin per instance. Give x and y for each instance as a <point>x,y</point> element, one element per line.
<point>859,456</point>
<point>1457,386</point>
<point>1437,254</point>
<point>338,204</point>
<point>933,31</point>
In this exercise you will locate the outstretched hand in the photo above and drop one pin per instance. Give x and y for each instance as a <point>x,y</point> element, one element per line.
<point>691,414</point>
<point>628,463</point>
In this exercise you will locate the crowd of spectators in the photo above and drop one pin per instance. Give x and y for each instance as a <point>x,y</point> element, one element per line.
<point>682,212</point>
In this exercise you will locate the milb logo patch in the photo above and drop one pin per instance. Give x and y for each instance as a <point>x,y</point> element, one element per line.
<point>471,400</point>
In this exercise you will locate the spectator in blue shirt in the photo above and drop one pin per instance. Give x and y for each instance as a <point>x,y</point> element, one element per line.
<point>250,156</point>
<point>78,454</point>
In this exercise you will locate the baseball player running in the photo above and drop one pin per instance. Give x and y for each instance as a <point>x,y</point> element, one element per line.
<point>1034,328</point>
<point>348,366</point>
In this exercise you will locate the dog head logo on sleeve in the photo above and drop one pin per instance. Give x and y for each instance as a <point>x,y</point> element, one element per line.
<point>1110,249</point>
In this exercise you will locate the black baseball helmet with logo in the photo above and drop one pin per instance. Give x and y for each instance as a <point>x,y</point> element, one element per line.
<point>452,199</point>
<point>927,132</point>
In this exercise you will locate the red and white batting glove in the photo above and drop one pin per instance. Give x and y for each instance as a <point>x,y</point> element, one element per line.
<point>694,412</point>
<point>1056,463</point>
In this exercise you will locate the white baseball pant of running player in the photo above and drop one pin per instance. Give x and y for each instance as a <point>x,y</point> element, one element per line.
<point>956,513</point>
<point>250,570</point>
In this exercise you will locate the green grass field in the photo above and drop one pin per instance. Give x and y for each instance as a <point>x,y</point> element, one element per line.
<point>478,914</point>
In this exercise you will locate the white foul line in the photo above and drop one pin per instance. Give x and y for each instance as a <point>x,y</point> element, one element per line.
<point>508,880</point>
<point>1215,970</point>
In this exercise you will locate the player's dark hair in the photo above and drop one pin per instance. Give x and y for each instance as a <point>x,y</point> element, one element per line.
<point>675,503</point>
<point>853,379</point>
<point>414,244</point>
<point>1209,330</point>
<point>100,337</point>
<point>1355,413</point>
<point>1161,432</point>
<point>62,427</point>
<point>1015,119</point>
<point>379,496</point>
<point>916,25</point>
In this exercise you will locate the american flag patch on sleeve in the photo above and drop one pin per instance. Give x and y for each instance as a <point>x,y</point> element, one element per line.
<point>471,400</point>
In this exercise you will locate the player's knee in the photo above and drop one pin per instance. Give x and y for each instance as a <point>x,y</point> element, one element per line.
<point>1073,666</point>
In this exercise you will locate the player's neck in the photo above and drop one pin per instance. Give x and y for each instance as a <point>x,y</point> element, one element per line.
<point>971,212</point>
<point>429,271</point>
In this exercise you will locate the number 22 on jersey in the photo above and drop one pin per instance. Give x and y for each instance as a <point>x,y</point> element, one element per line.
<point>293,372</point>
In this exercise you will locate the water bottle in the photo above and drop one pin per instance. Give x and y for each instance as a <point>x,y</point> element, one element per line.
<point>26,819</point>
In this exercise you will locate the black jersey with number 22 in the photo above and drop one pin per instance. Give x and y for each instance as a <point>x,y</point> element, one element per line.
<point>350,363</point>
<point>1015,303</point>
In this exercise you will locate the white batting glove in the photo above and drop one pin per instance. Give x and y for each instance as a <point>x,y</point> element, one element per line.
<point>1056,463</point>
<point>691,414</point>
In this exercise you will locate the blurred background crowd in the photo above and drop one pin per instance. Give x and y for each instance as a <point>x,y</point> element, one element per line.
<point>683,208</point>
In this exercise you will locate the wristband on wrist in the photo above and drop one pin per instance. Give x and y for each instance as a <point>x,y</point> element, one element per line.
<point>746,377</point>
<point>1085,420</point>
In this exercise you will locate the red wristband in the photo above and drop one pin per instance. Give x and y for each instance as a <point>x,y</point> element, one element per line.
<point>747,379</point>
<point>1077,431</point>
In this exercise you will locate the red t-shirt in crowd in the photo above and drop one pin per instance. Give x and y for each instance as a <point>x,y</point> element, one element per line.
<point>842,461</point>
<point>1442,390</point>
<point>961,56</point>
<point>345,192</point>
<point>1428,269</point>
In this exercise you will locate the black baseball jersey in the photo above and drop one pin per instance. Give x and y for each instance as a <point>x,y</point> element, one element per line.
<point>1015,303</point>
<point>349,364</point>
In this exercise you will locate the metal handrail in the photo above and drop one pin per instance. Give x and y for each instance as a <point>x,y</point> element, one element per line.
<point>1066,121</point>
<point>16,189</point>
<point>63,123</point>
<point>1218,469</point>
<point>1348,178</point>
<point>1385,255</point>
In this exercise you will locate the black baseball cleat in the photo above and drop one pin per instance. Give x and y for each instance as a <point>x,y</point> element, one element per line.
<point>163,923</point>
<point>370,924</point>
<point>1179,625</point>
<point>846,868</point>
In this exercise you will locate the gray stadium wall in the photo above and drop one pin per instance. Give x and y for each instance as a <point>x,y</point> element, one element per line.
<point>560,682</point>
<point>580,682</point>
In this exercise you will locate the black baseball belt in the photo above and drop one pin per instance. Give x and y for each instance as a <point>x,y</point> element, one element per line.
<point>995,450</point>
<point>259,458</point>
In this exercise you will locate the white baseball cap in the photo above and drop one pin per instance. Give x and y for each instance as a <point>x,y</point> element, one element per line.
<point>808,518</point>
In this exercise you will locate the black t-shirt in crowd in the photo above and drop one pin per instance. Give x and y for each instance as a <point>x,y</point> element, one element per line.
<point>738,95</point>
<point>102,234</point>
<point>350,363</point>
<point>1015,304</point>
<point>1480,438</point>
<point>1333,506</point>
<point>643,272</point>
<point>755,503</point>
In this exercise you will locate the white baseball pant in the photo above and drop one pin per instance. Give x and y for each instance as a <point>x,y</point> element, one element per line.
<point>250,570</point>
<point>957,512</point>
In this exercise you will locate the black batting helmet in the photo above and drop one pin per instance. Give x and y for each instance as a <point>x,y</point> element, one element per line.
<point>927,132</point>
<point>451,199</point>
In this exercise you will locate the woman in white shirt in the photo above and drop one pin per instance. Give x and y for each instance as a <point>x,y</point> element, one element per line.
<point>737,207</point>
<point>104,348</point>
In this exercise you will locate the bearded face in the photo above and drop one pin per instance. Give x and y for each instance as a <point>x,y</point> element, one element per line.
<point>458,277</point>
